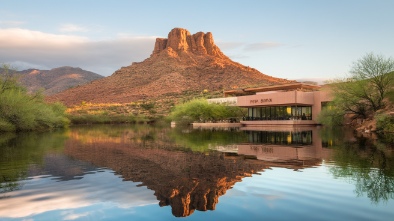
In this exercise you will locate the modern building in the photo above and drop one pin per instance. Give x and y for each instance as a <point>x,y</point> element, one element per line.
<point>288,104</point>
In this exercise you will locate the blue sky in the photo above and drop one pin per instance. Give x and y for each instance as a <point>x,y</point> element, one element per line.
<point>291,39</point>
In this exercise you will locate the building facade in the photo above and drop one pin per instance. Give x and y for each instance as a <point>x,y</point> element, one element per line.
<point>290,104</point>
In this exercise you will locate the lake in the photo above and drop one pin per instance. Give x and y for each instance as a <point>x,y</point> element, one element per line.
<point>143,172</point>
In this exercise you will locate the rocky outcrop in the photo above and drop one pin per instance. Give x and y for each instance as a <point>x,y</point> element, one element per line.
<point>180,40</point>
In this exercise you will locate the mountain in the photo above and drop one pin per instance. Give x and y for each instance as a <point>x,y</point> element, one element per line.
<point>55,80</point>
<point>180,63</point>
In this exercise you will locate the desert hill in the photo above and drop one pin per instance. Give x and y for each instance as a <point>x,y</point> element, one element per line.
<point>55,80</point>
<point>182,62</point>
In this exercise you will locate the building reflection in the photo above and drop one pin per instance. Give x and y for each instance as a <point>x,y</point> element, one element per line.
<point>290,147</point>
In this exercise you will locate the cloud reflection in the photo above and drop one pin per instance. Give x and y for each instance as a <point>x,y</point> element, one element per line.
<point>42,195</point>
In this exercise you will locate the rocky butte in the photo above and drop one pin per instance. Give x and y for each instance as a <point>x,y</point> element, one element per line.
<point>182,62</point>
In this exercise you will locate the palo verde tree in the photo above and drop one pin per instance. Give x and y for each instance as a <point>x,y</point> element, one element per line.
<point>364,92</point>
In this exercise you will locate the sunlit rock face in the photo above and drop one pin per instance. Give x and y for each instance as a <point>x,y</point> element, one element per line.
<point>180,40</point>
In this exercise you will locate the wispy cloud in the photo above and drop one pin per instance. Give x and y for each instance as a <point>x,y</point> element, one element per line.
<point>248,47</point>
<point>262,46</point>
<point>229,45</point>
<point>72,28</point>
<point>70,215</point>
<point>50,50</point>
<point>12,23</point>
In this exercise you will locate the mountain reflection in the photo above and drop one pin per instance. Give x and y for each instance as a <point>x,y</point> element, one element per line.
<point>184,179</point>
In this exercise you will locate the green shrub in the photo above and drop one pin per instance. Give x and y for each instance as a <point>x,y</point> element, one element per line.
<point>6,126</point>
<point>331,116</point>
<point>384,122</point>
<point>148,105</point>
<point>199,110</point>
<point>20,111</point>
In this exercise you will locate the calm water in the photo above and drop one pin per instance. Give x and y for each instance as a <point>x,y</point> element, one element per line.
<point>140,172</point>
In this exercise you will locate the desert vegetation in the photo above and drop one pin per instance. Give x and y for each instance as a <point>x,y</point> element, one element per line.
<point>199,110</point>
<point>20,111</point>
<point>364,96</point>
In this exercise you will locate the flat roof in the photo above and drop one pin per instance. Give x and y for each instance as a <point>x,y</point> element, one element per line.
<point>293,86</point>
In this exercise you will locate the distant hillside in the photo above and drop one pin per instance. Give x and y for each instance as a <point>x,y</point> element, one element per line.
<point>55,80</point>
<point>182,62</point>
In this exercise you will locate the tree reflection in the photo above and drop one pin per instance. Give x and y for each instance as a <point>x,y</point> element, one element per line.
<point>19,151</point>
<point>369,164</point>
<point>203,139</point>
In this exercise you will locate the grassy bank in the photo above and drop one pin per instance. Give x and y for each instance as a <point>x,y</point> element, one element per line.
<point>142,111</point>
<point>115,113</point>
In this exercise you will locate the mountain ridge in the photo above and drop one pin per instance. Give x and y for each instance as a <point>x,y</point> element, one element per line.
<point>55,80</point>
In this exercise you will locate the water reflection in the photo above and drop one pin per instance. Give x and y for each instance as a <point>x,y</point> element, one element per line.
<point>185,180</point>
<point>369,164</point>
<point>183,168</point>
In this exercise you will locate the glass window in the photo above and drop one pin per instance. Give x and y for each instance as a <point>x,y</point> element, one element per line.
<point>258,113</point>
<point>263,114</point>
<point>280,113</point>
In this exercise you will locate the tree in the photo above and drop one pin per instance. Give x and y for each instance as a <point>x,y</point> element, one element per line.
<point>7,79</point>
<point>364,92</point>
<point>20,111</point>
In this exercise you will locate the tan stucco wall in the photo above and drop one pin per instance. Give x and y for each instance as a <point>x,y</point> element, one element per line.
<point>277,98</point>
<point>280,98</point>
<point>267,99</point>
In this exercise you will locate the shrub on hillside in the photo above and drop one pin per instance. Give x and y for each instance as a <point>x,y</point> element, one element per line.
<point>384,122</point>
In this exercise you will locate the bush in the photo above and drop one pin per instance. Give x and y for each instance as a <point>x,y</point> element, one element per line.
<point>331,116</point>
<point>199,110</point>
<point>20,111</point>
<point>384,122</point>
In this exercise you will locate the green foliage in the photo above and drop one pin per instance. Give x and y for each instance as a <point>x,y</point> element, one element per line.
<point>19,151</point>
<point>20,111</point>
<point>364,92</point>
<point>148,105</point>
<point>206,139</point>
<point>199,110</point>
<point>384,122</point>
<point>331,116</point>
<point>369,165</point>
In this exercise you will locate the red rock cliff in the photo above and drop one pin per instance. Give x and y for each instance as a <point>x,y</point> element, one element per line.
<point>180,39</point>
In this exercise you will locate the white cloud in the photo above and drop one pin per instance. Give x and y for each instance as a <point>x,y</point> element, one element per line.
<point>75,198</point>
<point>72,28</point>
<point>262,46</point>
<point>51,50</point>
